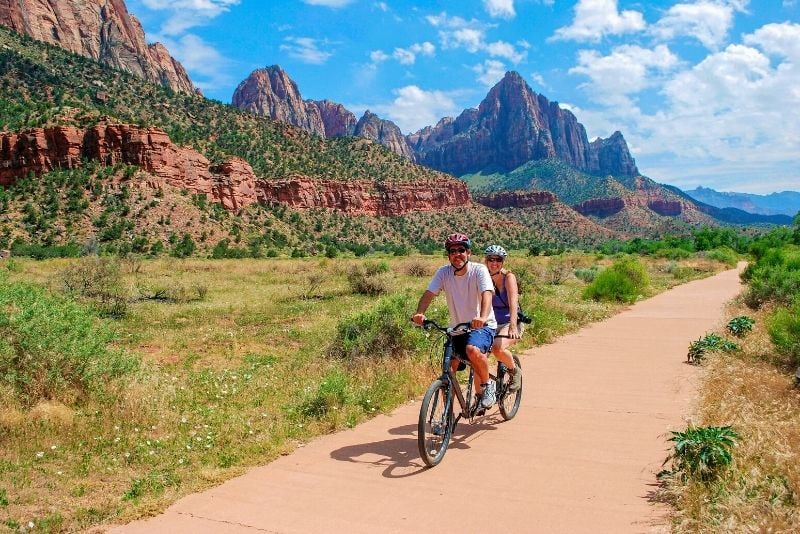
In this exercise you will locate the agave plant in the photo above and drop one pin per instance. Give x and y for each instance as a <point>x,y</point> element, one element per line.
<point>739,326</point>
<point>703,452</point>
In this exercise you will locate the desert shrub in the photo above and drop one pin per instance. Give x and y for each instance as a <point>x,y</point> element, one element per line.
<point>331,393</point>
<point>775,276</point>
<point>783,326</point>
<point>587,274</point>
<point>417,269</point>
<point>384,330</point>
<point>369,279</point>
<point>172,292</point>
<point>624,281</point>
<point>702,453</point>
<point>53,348</point>
<point>724,255</point>
<point>99,281</point>
<point>739,326</point>
<point>557,271</point>
<point>673,253</point>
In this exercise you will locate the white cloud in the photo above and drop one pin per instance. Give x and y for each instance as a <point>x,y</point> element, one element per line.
<point>627,70</point>
<point>205,63</point>
<point>469,38</point>
<point>781,40</point>
<point>595,19</point>
<point>489,72</point>
<point>328,3</point>
<point>707,21</point>
<point>414,108</point>
<point>504,50</point>
<point>188,13</point>
<point>426,48</point>
<point>503,9</point>
<point>470,35</point>
<point>382,6</point>
<point>305,49</point>
<point>404,57</point>
<point>378,56</point>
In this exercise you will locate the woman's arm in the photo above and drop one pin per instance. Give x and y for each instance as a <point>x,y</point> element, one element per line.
<point>512,293</point>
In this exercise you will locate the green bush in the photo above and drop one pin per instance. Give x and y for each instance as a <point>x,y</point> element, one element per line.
<point>587,274</point>
<point>624,281</point>
<point>331,393</point>
<point>382,331</point>
<point>99,281</point>
<point>709,343</point>
<point>775,276</point>
<point>724,255</point>
<point>702,453</point>
<point>369,279</point>
<point>783,326</point>
<point>673,253</point>
<point>51,348</point>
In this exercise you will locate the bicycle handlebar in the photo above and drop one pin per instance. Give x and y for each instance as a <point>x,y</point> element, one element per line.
<point>460,328</point>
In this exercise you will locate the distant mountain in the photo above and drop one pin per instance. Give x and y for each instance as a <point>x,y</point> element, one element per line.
<point>270,92</point>
<point>783,203</point>
<point>102,30</point>
<point>733,215</point>
<point>512,126</point>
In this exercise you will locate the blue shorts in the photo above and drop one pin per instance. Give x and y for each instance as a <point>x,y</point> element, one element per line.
<point>481,338</point>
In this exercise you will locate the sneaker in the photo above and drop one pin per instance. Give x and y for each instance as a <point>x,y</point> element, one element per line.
<point>488,398</point>
<point>516,379</point>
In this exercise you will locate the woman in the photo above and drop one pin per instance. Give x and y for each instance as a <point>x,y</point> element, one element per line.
<point>505,303</point>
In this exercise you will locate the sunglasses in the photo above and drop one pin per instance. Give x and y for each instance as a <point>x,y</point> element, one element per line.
<point>457,250</point>
<point>495,259</point>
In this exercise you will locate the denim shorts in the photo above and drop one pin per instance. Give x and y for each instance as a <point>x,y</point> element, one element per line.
<point>481,338</point>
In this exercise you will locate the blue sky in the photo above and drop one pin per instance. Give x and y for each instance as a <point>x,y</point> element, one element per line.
<point>706,92</point>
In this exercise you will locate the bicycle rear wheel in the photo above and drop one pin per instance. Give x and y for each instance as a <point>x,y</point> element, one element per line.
<point>435,423</point>
<point>509,400</point>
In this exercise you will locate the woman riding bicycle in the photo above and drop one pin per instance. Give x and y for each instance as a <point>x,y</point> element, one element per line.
<point>505,303</point>
<point>468,287</point>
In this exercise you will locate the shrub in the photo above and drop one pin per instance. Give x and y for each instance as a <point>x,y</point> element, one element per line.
<point>709,343</point>
<point>55,349</point>
<point>382,331</point>
<point>587,274</point>
<point>739,326</point>
<point>775,276</point>
<point>331,393</point>
<point>624,281</point>
<point>784,331</point>
<point>417,269</point>
<point>369,279</point>
<point>99,281</point>
<point>703,452</point>
<point>724,255</point>
<point>673,253</point>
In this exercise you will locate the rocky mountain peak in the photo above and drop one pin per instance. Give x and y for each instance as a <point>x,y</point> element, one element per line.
<point>102,30</point>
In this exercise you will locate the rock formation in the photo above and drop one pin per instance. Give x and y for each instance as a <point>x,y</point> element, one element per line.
<point>514,125</point>
<point>99,29</point>
<point>270,92</point>
<point>384,132</point>
<point>516,199</point>
<point>232,183</point>
<point>600,207</point>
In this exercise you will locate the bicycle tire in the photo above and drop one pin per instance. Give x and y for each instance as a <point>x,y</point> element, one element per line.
<point>435,426</point>
<point>509,400</point>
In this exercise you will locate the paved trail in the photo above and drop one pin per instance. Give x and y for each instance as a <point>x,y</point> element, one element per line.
<point>580,456</point>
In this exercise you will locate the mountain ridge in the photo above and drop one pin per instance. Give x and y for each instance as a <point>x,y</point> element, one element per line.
<point>777,203</point>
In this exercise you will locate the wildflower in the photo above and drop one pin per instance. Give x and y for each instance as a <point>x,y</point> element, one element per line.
<point>40,454</point>
<point>53,447</point>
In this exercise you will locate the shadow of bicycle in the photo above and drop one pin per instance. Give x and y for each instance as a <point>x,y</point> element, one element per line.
<point>399,457</point>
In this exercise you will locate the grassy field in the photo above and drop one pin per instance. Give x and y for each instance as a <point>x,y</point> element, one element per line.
<point>239,362</point>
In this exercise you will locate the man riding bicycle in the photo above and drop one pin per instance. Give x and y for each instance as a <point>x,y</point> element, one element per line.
<point>469,289</point>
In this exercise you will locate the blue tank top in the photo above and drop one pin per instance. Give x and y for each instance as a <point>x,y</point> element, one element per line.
<point>500,304</point>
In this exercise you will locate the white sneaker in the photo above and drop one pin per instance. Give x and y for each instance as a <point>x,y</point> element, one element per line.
<point>488,398</point>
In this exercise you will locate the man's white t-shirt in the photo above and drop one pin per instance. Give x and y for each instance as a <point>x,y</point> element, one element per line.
<point>464,292</point>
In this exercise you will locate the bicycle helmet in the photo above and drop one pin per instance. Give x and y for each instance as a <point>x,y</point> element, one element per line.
<point>457,239</point>
<point>495,250</point>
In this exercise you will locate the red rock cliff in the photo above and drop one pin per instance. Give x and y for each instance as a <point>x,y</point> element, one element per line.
<point>517,199</point>
<point>99,29</point>
<point>233,183</point>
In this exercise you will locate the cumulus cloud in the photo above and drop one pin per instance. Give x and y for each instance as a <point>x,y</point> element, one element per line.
<point>186,14</point>
<point>456,32</point>
<point>723,116</point>
<point>404,56</point>
<point>414,108</point>
<point>503,9</point>
<point>305,49</point>
<point>489,72</point>
<point>594,19</point>
<point>208,67</point>
<point>707,21</point>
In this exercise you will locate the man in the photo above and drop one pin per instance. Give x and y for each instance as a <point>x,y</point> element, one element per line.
<point>469,289</point>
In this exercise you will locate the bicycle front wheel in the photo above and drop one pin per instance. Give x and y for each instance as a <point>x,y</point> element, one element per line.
<point>509,400</point>
<point>435,423</point>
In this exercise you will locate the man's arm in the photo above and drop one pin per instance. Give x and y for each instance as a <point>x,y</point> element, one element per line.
<point>486,308</point>
<point>422,307</point>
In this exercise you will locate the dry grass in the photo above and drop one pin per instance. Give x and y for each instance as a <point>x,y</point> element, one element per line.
<point>754,392</point>
<point>226,380</point>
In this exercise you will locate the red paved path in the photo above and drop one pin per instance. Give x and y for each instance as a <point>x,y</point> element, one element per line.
<point>579,457</point>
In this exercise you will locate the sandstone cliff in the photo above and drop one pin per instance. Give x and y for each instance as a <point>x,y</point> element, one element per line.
<point>99,29</point>
<point>270,92</point>
<point>233,183</point>
<point>514,125</point>
<point>516,199</point>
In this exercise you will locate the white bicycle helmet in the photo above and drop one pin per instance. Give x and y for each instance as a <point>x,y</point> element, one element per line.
<point>495,250</point>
